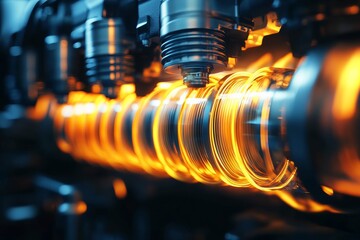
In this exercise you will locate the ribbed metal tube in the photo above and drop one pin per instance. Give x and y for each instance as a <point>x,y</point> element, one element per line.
<point>195,52</point>
<point>108,61</point>
<point>243,130</point>
<point>217,135</point>
<point>237,131</point>
<point>192,39</point>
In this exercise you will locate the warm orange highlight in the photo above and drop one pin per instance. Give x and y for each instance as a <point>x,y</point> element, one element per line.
<point>80,207</point>
<point>327,190</point>
<point>352,10</point>
<point>189,134</point>
<point>214,135</point>
<point>111,36</point>
<point>119,188</point>
<point>303,203</point>
<point>63,58</point>
<point>347,91</point>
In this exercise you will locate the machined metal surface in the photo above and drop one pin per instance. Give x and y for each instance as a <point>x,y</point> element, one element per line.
<point>192,40</point>
<point>322,115</point>
<point>107,52</point>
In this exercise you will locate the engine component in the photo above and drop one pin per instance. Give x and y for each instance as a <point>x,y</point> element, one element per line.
<point>193,36</point>
<point>190,42</point>
<point>108,59</point>
<point>161,135</point>
<point>323,113</point>
<point>196,103</point>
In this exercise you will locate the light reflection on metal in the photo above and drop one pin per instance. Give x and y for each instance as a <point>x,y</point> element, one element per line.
<point>137,135</point>
<point>327,190</point>
<point>324,113</point>
<point>347,91</point>
<point>264,27</point>
<point>64,58</point>
<point>206,135</point>
<point>219,134</point>
<point>302,203</point>
<point>209,135</point>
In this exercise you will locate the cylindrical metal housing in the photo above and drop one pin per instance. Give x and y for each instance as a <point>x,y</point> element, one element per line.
<point>58,64</point>
<point>323,120</point>
<point>245,130</point>
<point>25,69</point>
<point>107,52</point>
<point>227,133</point>
<point>192,39</point>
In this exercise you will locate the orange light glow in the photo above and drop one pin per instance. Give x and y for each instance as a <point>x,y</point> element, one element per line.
<point>111,36</point>
<point>44,106</point>
<point>141,130</point>
<point>231,62</point>
<point>327,190</point>
<point>165,132</point>
<point>80,208</point>
<point>272,26</point>
<point>320,17</point>
<point>64,58</point>
<point>215,135</point>
<point>347,92</point>
<point>349,165</point>
<point>302,203</point>
<point>352,10</point>
<point>196,152</point>
<point>263,61</point>
<point>125,90</point>
<point>287,61</point>
<point>96,88</point>
<point>155,133</point>
<point>119,188</point>
<point>153,71</point>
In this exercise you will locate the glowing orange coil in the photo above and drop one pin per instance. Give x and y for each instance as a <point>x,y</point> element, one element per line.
<point>207,135</point>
